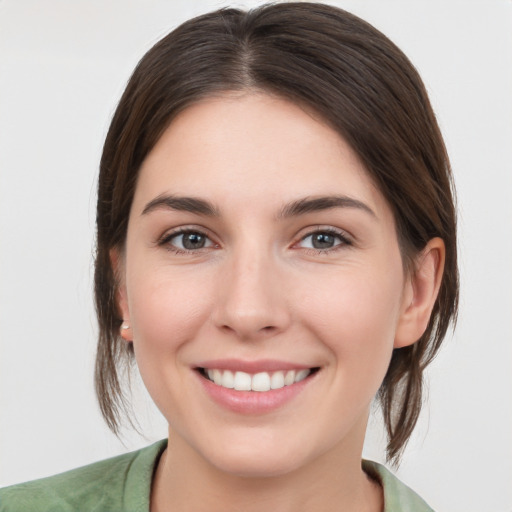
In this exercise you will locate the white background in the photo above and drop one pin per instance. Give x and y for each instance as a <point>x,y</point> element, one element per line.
<point>63,65</point>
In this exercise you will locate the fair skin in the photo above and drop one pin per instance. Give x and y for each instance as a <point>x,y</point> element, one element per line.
<point>260,276</point>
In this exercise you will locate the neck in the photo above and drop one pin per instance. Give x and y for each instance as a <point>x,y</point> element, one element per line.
<point>184,482</point>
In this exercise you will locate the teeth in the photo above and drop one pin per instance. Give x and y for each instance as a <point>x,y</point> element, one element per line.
<point>263,381</point>
<point>242,381</point>
<point>217,377</point>
<point>301,375</point>
<point>289,378</point>
<point>260,382</point>
<point>228,380</point>
<point>277,380</point>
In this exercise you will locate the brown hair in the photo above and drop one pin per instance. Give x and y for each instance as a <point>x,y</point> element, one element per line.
<point>354,78</point>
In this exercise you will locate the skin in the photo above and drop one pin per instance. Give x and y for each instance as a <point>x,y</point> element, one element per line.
<point>259,289</point>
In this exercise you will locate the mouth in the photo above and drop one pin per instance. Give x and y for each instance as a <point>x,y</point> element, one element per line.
<point>258,382</point>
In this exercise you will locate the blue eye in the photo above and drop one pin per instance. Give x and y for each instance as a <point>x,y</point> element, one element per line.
<point>188,240</point>
<point>323,240</point>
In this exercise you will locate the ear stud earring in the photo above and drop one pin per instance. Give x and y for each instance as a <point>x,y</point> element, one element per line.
<point>125,334</point>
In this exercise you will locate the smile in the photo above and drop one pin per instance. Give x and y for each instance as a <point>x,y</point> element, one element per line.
<point>254,387</point>
<point>260,382</point>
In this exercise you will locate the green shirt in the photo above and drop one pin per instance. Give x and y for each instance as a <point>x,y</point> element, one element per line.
<point>123,484</point>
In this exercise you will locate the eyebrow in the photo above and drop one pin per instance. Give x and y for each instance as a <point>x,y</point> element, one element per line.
<point>293,209</point>
<point>315,204</point>
<point>186,204</point>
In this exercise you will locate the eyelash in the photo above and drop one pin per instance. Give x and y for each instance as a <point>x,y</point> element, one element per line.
<point>166,240</point>
<point>341,236</point>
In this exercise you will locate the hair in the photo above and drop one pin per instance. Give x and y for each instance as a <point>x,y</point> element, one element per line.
<point>356,80</point>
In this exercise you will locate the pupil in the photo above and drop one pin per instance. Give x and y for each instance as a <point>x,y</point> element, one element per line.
<point>323,241</point>
<point>193,241</point>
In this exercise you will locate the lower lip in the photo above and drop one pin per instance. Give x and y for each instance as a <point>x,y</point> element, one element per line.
<point>253,402</point>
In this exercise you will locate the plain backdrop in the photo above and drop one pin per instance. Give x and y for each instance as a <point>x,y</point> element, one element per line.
<point>63,66</point>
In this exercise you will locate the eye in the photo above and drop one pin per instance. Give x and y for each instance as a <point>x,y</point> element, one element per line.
<point>323,240</point>
<point>187,240</point>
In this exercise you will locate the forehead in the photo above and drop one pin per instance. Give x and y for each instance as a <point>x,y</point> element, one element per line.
<point>240,148</point>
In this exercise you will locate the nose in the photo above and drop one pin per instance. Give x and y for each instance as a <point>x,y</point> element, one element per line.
<point>251,300</point>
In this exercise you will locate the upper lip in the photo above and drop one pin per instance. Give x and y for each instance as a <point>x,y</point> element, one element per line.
<point>256,366</point>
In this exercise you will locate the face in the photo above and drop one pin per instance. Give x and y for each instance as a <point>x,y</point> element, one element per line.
<point>263,284</point>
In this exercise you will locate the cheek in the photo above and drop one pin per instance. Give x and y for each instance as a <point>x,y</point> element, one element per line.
<point>356,316</point>
<point>167,309</point>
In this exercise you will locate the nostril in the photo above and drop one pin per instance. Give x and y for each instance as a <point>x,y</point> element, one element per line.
<point>261,319</point>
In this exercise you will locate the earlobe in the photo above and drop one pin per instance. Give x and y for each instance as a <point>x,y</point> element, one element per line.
<point>116,260</point>
<point>421,293</point>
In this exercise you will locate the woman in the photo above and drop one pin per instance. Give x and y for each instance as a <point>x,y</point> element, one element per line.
<point>276,247</point>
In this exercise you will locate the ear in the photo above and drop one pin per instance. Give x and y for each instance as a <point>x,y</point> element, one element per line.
<point>420,293</point>
<point>116,260</point>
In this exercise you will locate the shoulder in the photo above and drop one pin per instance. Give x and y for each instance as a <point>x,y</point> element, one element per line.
<point>397,496</point>
<point>119,483</point>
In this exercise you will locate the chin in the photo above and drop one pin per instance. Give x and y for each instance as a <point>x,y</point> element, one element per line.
<point>256,467</point>
<point>256,460</point>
